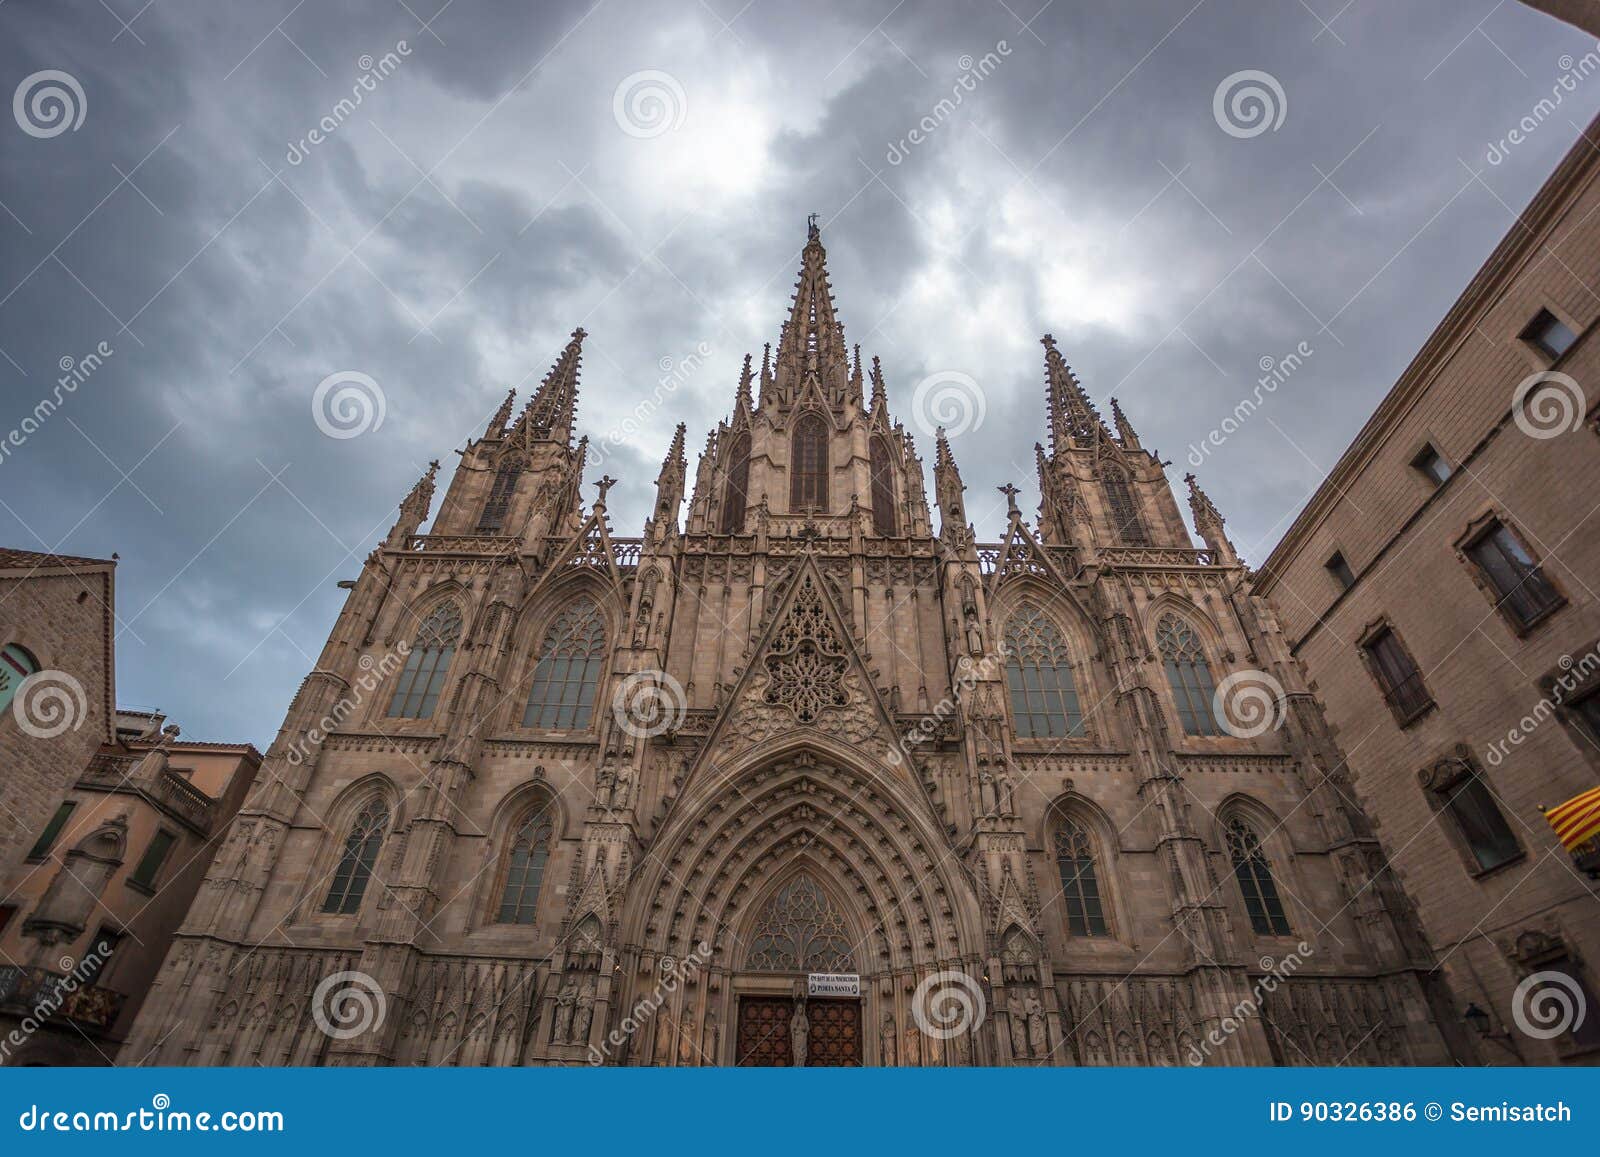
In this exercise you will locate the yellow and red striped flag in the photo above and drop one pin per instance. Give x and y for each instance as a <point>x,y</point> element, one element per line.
<point>1577,820</point>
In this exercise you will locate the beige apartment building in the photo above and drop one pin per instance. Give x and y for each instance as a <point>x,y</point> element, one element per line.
<point>1440,591</point>
<point>109,877</point>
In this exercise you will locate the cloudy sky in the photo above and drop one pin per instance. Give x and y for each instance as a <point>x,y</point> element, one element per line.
<point>645,170</point>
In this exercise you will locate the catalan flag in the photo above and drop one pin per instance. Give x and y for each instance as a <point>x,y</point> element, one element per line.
<point>1577,820</point>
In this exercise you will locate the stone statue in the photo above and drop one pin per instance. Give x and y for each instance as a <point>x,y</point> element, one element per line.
<point>663,1038</point>
<point>708,1052</point>
<point>688,1040</point>
<point>799,1034</point>
<point>622,793</point>
<point>604,778</point>
<point>986,794</point>
<point>1018,1023</point>
<point>886,1042</point>
<point>963,1049</point>
<point>913,1047</point>
<point>1005,794</point>
<point>1038,1038</point>
<point>565,1000</point>
<point>585,1014</point>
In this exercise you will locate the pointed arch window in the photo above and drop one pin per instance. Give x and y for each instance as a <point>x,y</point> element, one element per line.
<point>1124,510</point>
<point>530,850</point>
<point>883,516</point>
<point>1080,887</point>
<point>1189,676</point>
<point>808,464</point>
<point>568,671</point>
<point>422,678</point>
<point>1254,872</point>
<point>800,930</point>
<point>1044,699</point>
<point>736,498</point>
<point>498,504</point>
<point>355,862</point>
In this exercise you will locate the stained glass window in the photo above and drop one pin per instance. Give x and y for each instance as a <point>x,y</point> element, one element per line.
<point>733,504</point>
<point>530,848</point>
<point>355,863</point>
<point>1254,872</point>
<point>568,671</point>
<point>883,517</point>
<point>1044,699</point>
<point>417,690</point>
<point>1189,676</point>
<point>1080,889</point>
<point>808,464</point>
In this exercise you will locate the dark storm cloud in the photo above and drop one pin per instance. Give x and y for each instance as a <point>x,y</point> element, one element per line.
<point>482,200</point>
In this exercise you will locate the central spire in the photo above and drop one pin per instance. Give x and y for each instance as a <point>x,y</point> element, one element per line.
<point>812,343</point>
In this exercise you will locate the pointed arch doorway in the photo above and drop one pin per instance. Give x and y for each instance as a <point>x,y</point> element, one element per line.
<point>798,932</point>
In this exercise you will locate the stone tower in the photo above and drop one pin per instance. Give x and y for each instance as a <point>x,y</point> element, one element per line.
<point>800,778</point>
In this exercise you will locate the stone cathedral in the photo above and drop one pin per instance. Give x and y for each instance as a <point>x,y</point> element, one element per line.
<point>801,775</point>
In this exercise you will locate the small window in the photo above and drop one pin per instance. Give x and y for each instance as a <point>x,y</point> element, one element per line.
<point>1587,712</point>
<point>154,856</point>
<point>1397,676</point>
<point>97,956</point>
<point>1340,570</point>
<point>1522,593</point>
<point>530,850</point>
<point>1080,890</point>
<point>16,664</point>
<point>1549,333</point>
<point>1471,806</point>
<point>47,838</point>
<point>1432,465</point>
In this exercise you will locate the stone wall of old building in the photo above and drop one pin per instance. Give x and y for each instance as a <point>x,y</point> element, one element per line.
<point>1501,699</point>
<point>617,800</point>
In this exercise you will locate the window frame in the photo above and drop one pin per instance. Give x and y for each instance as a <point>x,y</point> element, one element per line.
<point>410,676</point>
<point>880,478</point>
<point>1066,696</point>
<point>1478,532</point>
<point>1429,452</point>
<point>541,818</point>
<point>1258,857</point>
<point>1405,715</point>
<point>1182,698</point>
<point>808,482</point>
<point>736,488</point>
<point>149,885</point>
<point>1542,321</point>
<point>1084,834</point>
<point>1128,524</point>
<point>51,833</point>
<point>1439,782</point>
<point>497,505</point>
<point>581,711</point>
<point>1339,567</point>
<point>353,894</point>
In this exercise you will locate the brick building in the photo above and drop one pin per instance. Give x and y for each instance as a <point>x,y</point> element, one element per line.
<point>1439,589</point>
<point>56,626</point>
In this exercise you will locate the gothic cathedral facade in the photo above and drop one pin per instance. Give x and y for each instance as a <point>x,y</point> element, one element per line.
<point>556,796</point>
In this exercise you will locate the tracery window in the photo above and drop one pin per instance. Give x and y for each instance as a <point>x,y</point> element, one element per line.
<point>806,662</point>
<point>422,678</point>
<point>1189,676</point>
<point>808,464</point>
<point>735,500</point>
<point>530,850</point>
<point>493,518</point>
<point>799,930</point>
<point>1254,872</point>
<point>1044,699</point>
<point>883,516</point>
<point>568,671</point>
<point>1080,888</point>
<point>1124,510</point>
<point>356,861</point>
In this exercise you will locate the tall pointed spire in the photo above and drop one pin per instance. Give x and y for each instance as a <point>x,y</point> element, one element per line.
<point>812,340</point>
<point>497,424</point>
<point>1072,415</point>
<point>880,396</point>
<point>743,395</point>
<point>414,508</point>
<point>670,484</point>
<point>1209,522</point>
<point>552,411</point>
<point>1128,436</point>
<point>948,489</point>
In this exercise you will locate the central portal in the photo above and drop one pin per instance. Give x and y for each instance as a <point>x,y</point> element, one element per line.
<point>769,1028</point>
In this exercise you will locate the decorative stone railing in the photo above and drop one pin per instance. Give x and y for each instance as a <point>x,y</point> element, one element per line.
<point>490,544</point>
<point>41,994</point>
<point>171,791</point>
<point>1156,556</point>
